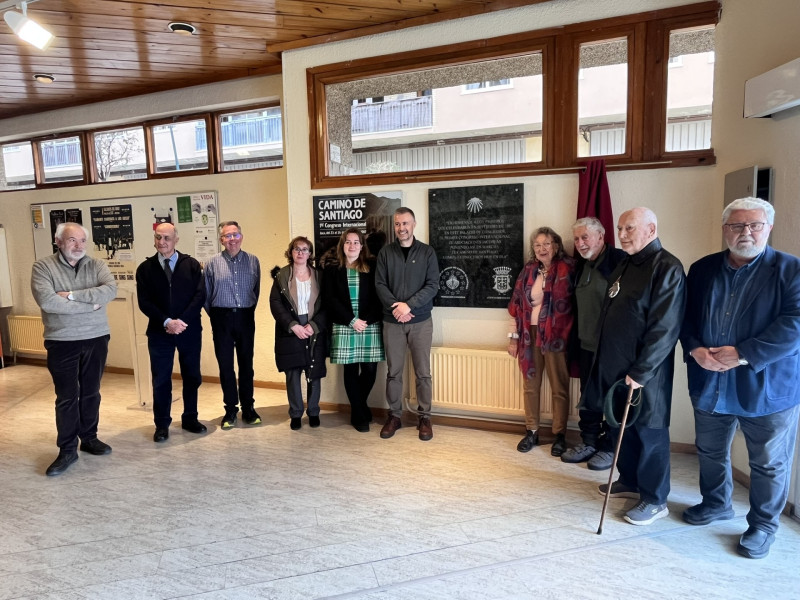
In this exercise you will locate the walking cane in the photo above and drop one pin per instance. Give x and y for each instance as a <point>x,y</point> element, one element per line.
<point>628,403</point>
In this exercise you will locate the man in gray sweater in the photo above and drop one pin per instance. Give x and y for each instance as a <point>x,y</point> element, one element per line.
<point>72,290</point>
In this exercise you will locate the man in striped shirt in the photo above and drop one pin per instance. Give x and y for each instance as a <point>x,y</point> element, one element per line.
<point>233,283</point>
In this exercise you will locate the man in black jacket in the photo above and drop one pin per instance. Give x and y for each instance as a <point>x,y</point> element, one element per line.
<point>639,326</point>
<point>171,292</point>
<point>407,280</point>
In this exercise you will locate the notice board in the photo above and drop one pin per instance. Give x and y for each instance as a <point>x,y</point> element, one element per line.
<point>121,229</point>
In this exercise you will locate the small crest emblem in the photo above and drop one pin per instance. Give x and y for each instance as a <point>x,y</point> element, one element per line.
<point>502,281</point>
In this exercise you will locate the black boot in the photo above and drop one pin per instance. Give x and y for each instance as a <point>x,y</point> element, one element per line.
<point>530,440</point>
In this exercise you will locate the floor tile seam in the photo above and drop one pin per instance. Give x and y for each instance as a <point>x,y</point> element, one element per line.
<point>445,548</point>
<point>515,562</point>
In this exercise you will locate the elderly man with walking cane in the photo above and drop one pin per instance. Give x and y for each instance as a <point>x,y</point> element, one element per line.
<point>638,329</point>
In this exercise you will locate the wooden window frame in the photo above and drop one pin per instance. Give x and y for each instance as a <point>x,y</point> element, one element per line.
<point>149,144</point>
<point>216,117</point>
<point>38,160</point>
<point>90,146</point>
<point>648,43</point>
<point>213,148</point>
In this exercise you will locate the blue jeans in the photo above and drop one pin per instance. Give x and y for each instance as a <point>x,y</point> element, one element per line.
<point>770,446</point>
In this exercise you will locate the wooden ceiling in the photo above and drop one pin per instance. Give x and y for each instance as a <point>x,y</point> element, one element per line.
<point>107,49</point>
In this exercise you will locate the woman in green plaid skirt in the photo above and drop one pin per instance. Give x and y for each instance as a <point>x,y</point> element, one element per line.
<point>356,314</point>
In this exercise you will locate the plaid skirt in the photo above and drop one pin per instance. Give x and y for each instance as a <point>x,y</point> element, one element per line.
<point>350,346</point>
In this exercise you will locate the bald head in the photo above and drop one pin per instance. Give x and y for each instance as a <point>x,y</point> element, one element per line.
<point>166,236</point>
<point>637,228</point>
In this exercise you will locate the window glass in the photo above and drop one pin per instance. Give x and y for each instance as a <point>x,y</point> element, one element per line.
<point>61,160</point>
<point>251,139</point>
<point>424,120</point>
<point>487,85</point>
<point>16,166</point>
<point>119,154</point>
<point>690,89</point>
<point>180,146</point>
<point>602,97</point>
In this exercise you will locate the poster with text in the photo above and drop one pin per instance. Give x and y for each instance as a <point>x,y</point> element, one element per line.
<point>371,213</point>
<point>112,234</point>
<point>477,235</point>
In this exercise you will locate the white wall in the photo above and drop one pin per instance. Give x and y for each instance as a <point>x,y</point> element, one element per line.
<point>256,199</point>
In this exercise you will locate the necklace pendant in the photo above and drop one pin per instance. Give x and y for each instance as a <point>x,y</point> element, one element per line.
<point>614,289</point>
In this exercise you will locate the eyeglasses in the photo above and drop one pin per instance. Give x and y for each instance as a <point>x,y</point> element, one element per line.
<point>755,227</point>
<point>542,246</point>
<point>231,236</point>
<point>301,250</point>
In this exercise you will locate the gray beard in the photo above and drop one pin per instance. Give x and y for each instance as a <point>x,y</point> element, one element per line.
<point>750,252</point>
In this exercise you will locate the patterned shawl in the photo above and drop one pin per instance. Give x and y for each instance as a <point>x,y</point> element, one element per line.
<point>555,314</point>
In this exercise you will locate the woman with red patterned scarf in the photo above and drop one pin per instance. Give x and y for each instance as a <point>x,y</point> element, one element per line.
<point>541,306</point>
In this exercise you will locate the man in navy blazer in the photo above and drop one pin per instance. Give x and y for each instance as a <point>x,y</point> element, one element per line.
<point>741,343</point>
<point>171,291</point>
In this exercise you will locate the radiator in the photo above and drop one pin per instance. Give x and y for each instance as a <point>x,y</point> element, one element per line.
<point>484,384</point>
<point>27,335</point>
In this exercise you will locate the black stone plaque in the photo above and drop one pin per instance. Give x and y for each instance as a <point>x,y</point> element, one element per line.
<point>477,235</point>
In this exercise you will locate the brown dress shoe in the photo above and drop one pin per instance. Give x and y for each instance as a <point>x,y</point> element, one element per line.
<point>392,424</point>
<point>425,429</point>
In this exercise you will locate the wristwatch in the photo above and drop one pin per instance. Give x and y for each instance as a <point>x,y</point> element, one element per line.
<point>70,296</point>
<point>513,336</point>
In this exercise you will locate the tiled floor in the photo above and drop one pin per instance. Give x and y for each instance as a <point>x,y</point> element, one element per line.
<point>266,512</point>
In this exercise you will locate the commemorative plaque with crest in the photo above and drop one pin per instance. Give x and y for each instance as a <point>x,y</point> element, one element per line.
<point>477,234</point>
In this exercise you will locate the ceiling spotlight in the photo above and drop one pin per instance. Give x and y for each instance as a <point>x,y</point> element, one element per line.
<point>44,78</point>
<point>182,28</point>
<point>28,29</point>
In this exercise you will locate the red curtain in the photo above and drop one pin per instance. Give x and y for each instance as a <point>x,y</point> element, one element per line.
<point>594,199</point>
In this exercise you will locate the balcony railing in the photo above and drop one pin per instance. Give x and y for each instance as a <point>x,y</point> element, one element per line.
<point>245,132</point>
<point>393,115</point>
<point>65,154</point>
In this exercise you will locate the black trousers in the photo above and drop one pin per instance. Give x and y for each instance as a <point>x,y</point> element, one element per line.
<point>358,381</point>
<point>593,429</point>
<point>76,368</point>
<point>162,348</point>
<point>644,461</point>
<point>234,329</point>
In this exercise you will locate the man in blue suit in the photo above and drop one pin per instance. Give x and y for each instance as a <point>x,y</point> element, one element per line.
<point>741,343</point>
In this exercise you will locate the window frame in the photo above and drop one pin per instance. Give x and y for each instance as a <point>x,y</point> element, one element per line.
<point>149,143</point>
<point>90,144</point>
<point>663,32</point>
<point>216,117</point>
<point>647,74</point>
<point>38,160</point>
<point>88,158</point>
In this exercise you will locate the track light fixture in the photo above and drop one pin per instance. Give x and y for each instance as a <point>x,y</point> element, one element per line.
<point>25,27</point>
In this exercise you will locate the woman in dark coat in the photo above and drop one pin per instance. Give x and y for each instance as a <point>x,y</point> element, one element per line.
<point>300,328</point>
<point>356,314</point>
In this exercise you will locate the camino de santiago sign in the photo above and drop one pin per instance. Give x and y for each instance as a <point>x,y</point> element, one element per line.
<point>373,214</point>
<point>477,235</point>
